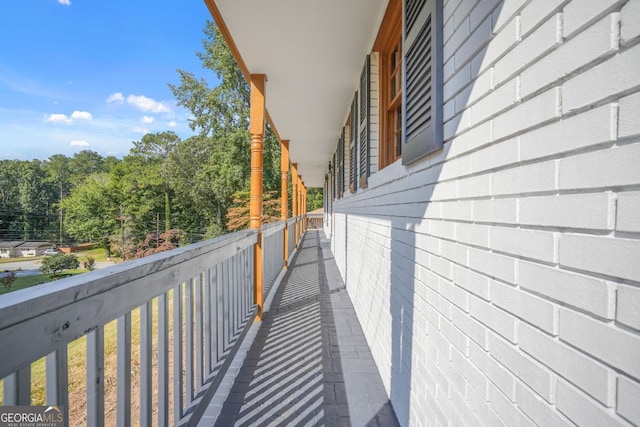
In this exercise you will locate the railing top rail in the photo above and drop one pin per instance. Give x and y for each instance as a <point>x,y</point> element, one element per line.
<point>40,319</point>
<point>315,215</point>
<point>272,228</point>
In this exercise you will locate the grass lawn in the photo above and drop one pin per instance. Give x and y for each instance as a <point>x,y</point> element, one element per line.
<point>77,355</point>
<point>99,254</point>
<point>77,368</point>
<point>8,260</point>
<point>28,281</point>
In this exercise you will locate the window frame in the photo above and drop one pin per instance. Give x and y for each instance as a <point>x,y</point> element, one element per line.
<point>390,38</point>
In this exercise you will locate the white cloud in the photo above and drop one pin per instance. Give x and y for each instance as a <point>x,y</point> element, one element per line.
<point>62,118</point>
<point>65,2</point>
<point>172,124</point>
<point>81,115</point>
<point>58,118</point>
<point>140,130</point>
<point>143,103</point>
<point>117,97</point>
<point>147,119</point>
<point>79,144</point>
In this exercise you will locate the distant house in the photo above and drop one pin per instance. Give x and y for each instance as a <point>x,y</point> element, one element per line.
<point>8,248</point>
<point>32,249</point>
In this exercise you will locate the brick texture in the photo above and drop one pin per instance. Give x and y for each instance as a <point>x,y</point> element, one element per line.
<point>497,281</point>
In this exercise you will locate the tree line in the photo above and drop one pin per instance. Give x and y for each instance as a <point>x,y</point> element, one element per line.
<point>164,189</point>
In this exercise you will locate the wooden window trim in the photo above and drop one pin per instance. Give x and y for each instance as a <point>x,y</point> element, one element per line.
<point>389,37</point>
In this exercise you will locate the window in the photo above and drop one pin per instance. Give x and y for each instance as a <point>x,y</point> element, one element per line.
<point>389,45</point>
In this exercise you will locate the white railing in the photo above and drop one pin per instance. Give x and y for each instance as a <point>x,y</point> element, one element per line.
<point>171,321</point>
<point>315,221</point>
<point>202,295</point>
<point>272,254</point>
<point>291,226</point>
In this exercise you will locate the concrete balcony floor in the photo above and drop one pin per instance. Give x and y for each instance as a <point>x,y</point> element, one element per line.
<point>309,363</point>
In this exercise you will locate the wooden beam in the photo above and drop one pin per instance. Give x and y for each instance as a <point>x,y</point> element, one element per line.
<point>284,196</point>
<point>300,206</point>
<point>256,129</point>
<point>294,200</point>
<point>303,198</point>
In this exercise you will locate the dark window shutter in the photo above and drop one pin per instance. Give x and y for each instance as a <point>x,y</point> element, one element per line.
<point>423,79</point>
<point>341,151</point>
<point>353,137</point>
<point>334,174</point>
<point>364,125</point>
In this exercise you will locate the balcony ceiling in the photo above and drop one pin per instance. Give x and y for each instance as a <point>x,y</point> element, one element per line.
<point>312,52</point>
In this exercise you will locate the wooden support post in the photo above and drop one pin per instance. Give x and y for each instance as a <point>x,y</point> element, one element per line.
<point>294,200</point>
<point>301,204</point>
<point>256,129</point>
<point>304,207</point>
<point>300,212</point>
<point>284,196</point>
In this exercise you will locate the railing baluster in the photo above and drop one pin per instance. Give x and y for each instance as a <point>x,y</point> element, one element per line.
<point>163,361</point>
<point>146,392</point>
<point>178,385</point>
<point>123,404</point>
<point>248,281</point>
<point>17,387</point>
<point>208,354</point>
<point>198,348</point>
<point>238,286</point>
<point>95,377</point>
<point>243,290</point>
<point>227,304</point>
<point>219,310</point>
<point>189,339</point>
<point>234,296</point>
<point>222,300</point>
<point>57,378</point>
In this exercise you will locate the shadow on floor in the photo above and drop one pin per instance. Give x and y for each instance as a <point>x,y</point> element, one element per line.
<point>310,363</point>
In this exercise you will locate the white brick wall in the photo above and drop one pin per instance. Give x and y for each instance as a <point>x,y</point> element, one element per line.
<point>498,280</point>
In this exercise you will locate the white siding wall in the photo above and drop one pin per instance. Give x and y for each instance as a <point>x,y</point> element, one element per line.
<point>498,280</point>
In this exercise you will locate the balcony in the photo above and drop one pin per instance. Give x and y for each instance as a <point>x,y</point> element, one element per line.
<point>307,361</point>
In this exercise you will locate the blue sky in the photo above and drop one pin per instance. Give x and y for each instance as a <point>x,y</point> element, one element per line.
<point>87,74</point>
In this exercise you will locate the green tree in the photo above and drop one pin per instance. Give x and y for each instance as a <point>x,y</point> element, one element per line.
<point>7,279</point>
<point>10,210</point>
<point>238,214</point>
<point>59,262</point>
<point>221,116</point>
<point>190,168</point>
<point>90,263</point>
<point>155,150</point>
<point>84,163</point>
<point>138,192</point>
<point>315,198</point>
<point>92,211</point>
<point>58,170</point>
<point>36,201</point>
